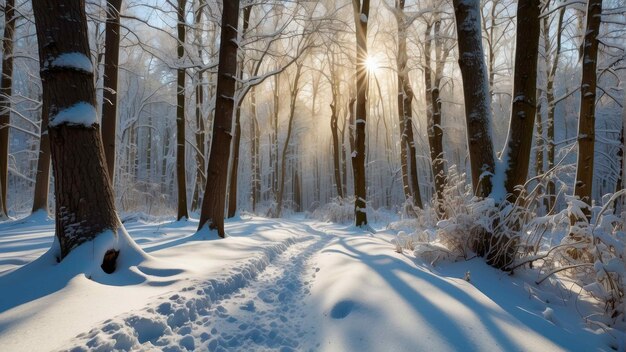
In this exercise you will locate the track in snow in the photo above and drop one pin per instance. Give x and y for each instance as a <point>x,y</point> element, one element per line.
<point>259,305</point>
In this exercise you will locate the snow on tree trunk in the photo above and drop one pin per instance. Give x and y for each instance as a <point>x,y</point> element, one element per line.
<point>85,206</point>
<point>361,13</point>
<point>587,119</point>
<point>476,94</point>
<point>232,194</point>
<point>5,102</point>
<point>212,213</point>
<point>110,97</point>
<point>516,154</point>
<point>181,175</point>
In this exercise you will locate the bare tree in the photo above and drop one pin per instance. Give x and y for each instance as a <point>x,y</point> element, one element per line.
<point>109,100</point>
<point>361,10</point>
<point>181,175</point>
<point>85,205</point>
<point>476,93</point>
<point>587,117</point>
<point>516,153</point>
<point>212,214</point>
<point>6,83</point>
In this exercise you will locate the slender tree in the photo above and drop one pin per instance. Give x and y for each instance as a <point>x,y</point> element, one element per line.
<point>587,117</point>
<point>212,214</point>
<point>85,206</point>
<point>6,85</point>
<point>361,10</point>
<point>42,178</point>
<point>181,175</point>
<point>110,97</point>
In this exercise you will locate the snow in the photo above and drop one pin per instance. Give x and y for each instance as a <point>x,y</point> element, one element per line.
<point>81,113</point>
<point>363,18</point>
<point>272,284</point>
<point>74,60</point>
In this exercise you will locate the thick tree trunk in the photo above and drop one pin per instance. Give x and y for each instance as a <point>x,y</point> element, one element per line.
<point>42,178</point>
<point>234,171</point>
<point>476,93</point>
<point>181,175</point>
<point>5,102</point>
<point>212,214</point>
<point>109,100</point>
<point>587,118</point>
<point>361,17</point>
<point>516,153</point>
<point>283,158</point>
<point>85,206</point>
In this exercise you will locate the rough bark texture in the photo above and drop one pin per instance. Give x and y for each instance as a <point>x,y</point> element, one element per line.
<point>476,94</point>
<point>516,153</point>
<point>5,101</point>
<point>84,196</point>
<point>587,118</point>
<point>109,101</point>
<point>42,178</point>
<point>361,16</point>
<point>234,171</point>
<point>214,200</point>
<point>255,135</point>
<point>283,158</point>
<point>181,179</point>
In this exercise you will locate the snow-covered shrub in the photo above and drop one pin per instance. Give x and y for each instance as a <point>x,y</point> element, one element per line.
<point>341,211</point>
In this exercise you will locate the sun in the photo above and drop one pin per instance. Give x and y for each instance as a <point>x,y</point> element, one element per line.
<point>371,64</point>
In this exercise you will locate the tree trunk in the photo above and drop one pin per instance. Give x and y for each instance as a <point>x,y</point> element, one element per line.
<point>361,17</point>
<point>180,117</point>
<point>85,206</point>
<point>256,165</point>
<point>200,128</point>
<point>476,94</point>
<point>516,153</point>
<point>336,149</point>
<point>587,118</point>
<point>42,179</point>
<point>109,100</point>
<point>408,153</point>
<point>232,194</point>
<point>283,159</point>
<point>435,130</point>
<point>5,102</point>
<point>551,105</point>
<point>214,200</point>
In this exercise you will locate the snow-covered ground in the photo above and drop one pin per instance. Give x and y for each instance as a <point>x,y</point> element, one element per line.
<point>274,284</point>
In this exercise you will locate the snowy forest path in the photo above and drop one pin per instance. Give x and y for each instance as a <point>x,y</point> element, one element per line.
<point>257,305</point>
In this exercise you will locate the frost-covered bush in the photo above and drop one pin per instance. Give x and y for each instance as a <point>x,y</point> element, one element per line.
<point>341,211</point>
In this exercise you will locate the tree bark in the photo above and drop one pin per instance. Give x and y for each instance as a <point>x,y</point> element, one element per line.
<point>232,194</point>
<point>200,125</point>
<point>109,100</point>
<point>361,17</point>
<point>435,130</point>
<point>212,214</point>
<point>587,118</point>
<point>6,83</point>
<point>516,153</point>
<point>42,178</point>
<point>283,159</point>
<point>181,179</point>
<point>85,206</point>
<point>256,165</point>
<point>476,94</point>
